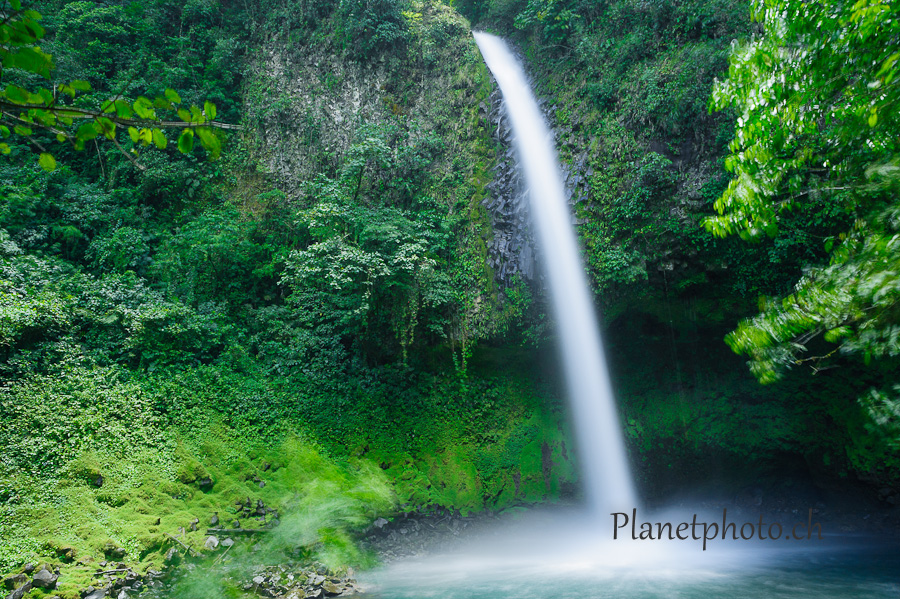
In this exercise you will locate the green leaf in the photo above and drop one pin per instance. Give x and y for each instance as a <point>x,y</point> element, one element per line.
<point>209,141</point>
<point>22,130</point>
<point>159,139</point>
<point>184,115</point>
<point>133,134</point>
<point>186,141</point>
<point>144,108</point>
<point>82,86</point>
<point>4,131</point>
<point>47,162</point>
<point>210,110</point>
<point>17,94</point>
<point>172,96</point>
<point>32,60</point>
<point>4,149</point>
<point>836,334</point>
<point>107,127</point>
<point>123,109</point>
<point>87,131</point>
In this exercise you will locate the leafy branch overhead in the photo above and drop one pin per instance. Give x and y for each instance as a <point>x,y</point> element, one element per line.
<point>817,99</point>
<point>60,111</point>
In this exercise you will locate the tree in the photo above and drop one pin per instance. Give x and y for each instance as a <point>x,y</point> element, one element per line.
<point>817,98</point>
<point>56,109</point>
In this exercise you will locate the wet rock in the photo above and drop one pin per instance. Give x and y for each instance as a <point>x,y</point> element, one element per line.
<point>172,556</point>
<point>45,579</point>
<point>227,542</point>
<point>194,524</point>
<point>29,568</point>
<point>211,542</point>
<point>331,589</point>
<point>96,594</point>
<point>313,594</point>
<point>214,521</point>
<point>205,483</point>
<point>20,592</point>
<point>14,582</point>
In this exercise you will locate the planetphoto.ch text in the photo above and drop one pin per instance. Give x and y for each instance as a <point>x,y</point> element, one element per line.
<point>708,531</point>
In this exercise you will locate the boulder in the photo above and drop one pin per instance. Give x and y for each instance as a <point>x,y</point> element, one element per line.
<point>45,579</point>
<point>331,589</point>
<point>211,542</point>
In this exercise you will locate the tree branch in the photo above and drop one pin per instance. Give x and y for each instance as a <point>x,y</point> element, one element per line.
<point>83,113</point>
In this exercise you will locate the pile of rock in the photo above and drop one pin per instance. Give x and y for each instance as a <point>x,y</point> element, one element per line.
<point>291,581</point>
<point>119,581</point>
<point>417,534</point>
<point>31,577</point>
<point>256,509</point>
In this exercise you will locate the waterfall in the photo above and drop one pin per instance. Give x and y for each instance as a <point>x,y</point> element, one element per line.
<point>606,476</point>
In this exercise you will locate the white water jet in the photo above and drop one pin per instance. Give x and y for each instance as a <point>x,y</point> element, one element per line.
<point>607,481</point>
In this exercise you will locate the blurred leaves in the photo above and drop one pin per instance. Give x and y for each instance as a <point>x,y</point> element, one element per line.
<point>817,98</point>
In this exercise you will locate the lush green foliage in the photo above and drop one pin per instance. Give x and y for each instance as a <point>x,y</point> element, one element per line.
<point>24,109</point>
<point>187,319</point>
<point>335,318</point>
<point>818,130</point>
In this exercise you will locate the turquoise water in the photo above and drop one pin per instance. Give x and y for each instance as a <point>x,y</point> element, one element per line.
<point>571,558</point>
<point>863,572</point>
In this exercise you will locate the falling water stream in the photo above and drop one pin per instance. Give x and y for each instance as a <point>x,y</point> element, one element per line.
<point>572,554</point>
<point>606,476</point>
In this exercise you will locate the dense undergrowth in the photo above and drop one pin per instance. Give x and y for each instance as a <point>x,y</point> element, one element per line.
<point>310,320</point>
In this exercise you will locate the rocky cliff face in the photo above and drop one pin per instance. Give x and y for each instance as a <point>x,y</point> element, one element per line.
<point>312,104</point>
<point>513,250</point>
<point>313,101</point>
